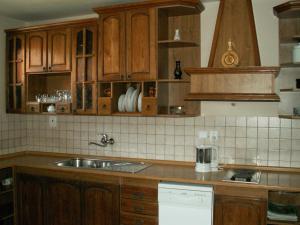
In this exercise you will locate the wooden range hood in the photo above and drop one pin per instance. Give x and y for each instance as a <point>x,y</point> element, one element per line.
<point>246,82</point>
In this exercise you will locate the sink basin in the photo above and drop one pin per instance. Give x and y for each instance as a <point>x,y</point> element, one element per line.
<point>119,166</point>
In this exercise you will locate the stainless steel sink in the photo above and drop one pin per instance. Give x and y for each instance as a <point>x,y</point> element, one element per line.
<point>119,166</point>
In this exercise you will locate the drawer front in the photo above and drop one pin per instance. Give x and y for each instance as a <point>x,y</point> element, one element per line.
<point>104,106</point>
<point>149,106</point>
<point>139,207</point>
<point>133,219</point>
<point>139,193</point>
<point>33,108</point>
<point>63,108</point>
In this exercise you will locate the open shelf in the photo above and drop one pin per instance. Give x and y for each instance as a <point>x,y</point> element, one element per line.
<point>182,10</point>
<point>276,222</point>
<point>177,44</point>
<point>173,81</point>
<point>289,116</point>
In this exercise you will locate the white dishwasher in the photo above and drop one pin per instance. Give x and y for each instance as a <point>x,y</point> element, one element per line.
<point>185,204</point>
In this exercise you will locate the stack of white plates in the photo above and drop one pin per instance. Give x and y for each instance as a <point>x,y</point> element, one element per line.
<point>130,101</point>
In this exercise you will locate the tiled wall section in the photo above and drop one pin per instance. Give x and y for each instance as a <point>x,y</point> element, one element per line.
<point>252,140</point>
<point>12,133</point>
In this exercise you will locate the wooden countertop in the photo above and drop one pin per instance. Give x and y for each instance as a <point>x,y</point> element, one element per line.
<point>286,180</point>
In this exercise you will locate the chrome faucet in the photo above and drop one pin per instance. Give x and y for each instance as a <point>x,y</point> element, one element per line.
<point>104,141</point>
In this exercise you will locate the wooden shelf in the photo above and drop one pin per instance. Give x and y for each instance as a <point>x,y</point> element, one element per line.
<point>177,115</point>
<point>290,90</point>
<point>286,65</point>
<point>127,114</point>
<point>233,97</point>
<point>289,9</point>
<point>276,222</point>
<point>289,116</point>
<point>176,44</point>
<point>173,81</point>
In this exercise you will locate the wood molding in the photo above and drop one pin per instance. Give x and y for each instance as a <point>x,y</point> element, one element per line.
<point>55,25</point>
<point>288,9</point>
<point>150,3</point>
<point>229,26</point>
<point>237,70</point>
<point>233,97</point>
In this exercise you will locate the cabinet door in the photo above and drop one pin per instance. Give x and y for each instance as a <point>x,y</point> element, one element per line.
<point>62,202</point>
<point>59,50</point>
<point>112,46</point>
<point>141,44</point>
<point>16,73</point>
<point>84,71</point>
<point>36,52</point>
<point>29,200</point>
<point>100,204</point>
<point>238,210</point>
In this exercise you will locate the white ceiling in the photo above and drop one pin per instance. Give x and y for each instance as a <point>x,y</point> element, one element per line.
<point>34,10</point>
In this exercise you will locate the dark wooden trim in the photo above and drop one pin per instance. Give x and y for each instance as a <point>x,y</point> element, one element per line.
<point>148,4</point>
<point>288,9</point>
<point>82,22</point>
<point>237,70</point>
<point>233,97</point>
<point>254,35</point>
<point>216,34</point>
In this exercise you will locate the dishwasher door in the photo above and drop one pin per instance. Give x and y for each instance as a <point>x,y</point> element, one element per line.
<point>183,204</point>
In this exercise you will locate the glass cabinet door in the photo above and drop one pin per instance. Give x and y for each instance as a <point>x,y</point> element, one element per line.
<point>84,75</point>
<point>15,73</point>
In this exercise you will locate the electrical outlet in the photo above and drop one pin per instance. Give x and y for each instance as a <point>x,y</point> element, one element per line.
<point>52,121</point>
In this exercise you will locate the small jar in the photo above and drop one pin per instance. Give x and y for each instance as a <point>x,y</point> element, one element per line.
<point>296,53</point>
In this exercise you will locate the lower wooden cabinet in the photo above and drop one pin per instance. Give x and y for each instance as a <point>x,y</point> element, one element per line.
<point>232,210</point>
<point>53,201</point>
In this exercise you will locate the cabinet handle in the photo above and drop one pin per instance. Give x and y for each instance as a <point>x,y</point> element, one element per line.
<point>49,67</point>
<point>44,68</point>
<point>137,195</point>
<point>138,209</point>
<point>104,106</point>
<point>128,76</point>
<point>148,107</point>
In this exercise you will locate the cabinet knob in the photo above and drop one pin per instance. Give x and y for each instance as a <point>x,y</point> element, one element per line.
<point>148,107</point>
<point>104,106</point>
<point>62,109</point>
<point>128,76</point>
<point>32,109</point>
<point>49,68</point>
<point>44,68</point>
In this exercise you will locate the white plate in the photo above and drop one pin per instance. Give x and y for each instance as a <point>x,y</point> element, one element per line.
<point>133,100</point>
<point>140,102</point>
<point>128,98</point>
<point>120,103</point>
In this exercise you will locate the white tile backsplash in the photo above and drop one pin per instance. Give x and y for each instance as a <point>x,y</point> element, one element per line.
<point>251,140</point>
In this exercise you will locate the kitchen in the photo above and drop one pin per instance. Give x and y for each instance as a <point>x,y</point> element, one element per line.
<point>249,133</point>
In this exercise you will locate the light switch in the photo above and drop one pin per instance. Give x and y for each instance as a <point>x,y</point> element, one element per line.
<point>52,121</point>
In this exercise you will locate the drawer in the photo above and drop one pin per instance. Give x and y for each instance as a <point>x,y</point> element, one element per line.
<point>63,108</point>
<point>139,193</point>
<point>134,219</point>
<point>139,207</point>
<point>149,106</point>
<point>33,107</point>
<point>104,106</point>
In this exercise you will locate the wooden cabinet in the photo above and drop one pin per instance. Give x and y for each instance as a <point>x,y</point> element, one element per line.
<point>100,204</point>
<point>62,202</point>
<point>230,210</point>
<point>48,51</point>
<point>139,202</point>
<point>51,201</point>
<point>84,72</point>
<point>289,35</point>
<point>15,70</point>
<point>127,45</point>
<point>6,197</point>
<point>30,200</point>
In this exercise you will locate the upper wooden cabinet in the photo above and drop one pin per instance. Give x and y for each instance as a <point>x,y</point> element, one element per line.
<point>15,73</point>
<point>127,45</point>
<point>84,71</point>
<point>48,51</point>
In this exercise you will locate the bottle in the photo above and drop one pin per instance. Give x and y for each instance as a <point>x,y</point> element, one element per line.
<point>177,71</point>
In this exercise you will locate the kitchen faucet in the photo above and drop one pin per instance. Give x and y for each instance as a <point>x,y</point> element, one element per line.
<point>104,141</point>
